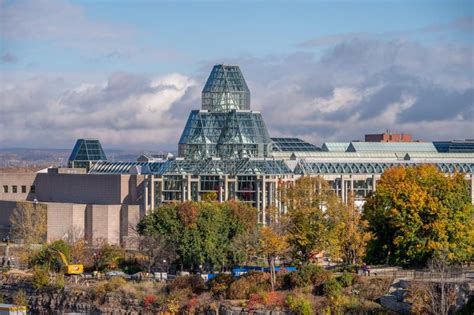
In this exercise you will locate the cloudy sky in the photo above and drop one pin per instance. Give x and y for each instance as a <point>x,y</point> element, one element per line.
<point>129,72</point>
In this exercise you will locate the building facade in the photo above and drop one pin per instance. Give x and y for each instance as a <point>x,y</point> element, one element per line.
<point>224,148</point>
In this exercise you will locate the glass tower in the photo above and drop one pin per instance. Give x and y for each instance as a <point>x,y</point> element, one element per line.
<point>225,127</point>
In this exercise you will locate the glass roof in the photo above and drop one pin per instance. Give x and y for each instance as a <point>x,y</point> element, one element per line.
<point>225,90</point>
<point>264,167</point>
<point>306,168</point>
<point>293,144</point>
<point>230,135</point>
<point>335,146</point>
<point>87,150</point>
<point>456,146</point>
<point>194,167</point>
<point>392,147</point>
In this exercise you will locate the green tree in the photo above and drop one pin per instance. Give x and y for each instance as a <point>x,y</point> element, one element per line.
<point>48,257</point>
<point>417,212</point>
<point>201,232</point>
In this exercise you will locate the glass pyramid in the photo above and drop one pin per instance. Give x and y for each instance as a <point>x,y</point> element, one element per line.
<point>225,90</point>
<point>85,152</point>
<point>225,127</point>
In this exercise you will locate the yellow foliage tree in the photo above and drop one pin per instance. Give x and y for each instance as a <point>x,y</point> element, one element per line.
<point>272,245</point>
<point>29,222</point>
<point>349,234</point>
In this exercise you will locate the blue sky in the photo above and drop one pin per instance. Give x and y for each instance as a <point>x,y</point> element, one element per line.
<point>333,58</point>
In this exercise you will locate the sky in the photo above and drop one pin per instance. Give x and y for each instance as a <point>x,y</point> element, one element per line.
<point>129,72</point>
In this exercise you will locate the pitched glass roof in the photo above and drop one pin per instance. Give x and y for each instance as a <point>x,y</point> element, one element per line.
<point>306,168</point>
<point>392,147</point>
<point>335,146</point>
<point>196,167</point>
<point>293,144</point>
<point>225,90</point>
<point>87,150</point>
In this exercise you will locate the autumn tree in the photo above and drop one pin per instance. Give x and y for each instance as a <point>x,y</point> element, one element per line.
<point>201,232</point>
<point>28,222</point>
<point>273,244</point>
<point>417,212</point>
<point>307,225</point>
<point>348,231</point>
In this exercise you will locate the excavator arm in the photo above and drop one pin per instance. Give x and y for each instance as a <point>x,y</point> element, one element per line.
<point>70,269</point>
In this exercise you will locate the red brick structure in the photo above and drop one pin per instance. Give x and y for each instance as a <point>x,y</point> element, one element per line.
<point>389,137</point>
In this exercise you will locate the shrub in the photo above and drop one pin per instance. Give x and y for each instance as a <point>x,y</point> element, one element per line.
<point>299,304</point>
<point>332,288</point>
<point>275,299</point>
<point>220,284</point>
<point>48,258</point>
<point>308,275</point>
<point>149,300</point>
<point>108,257</point>
<point>346,279</point>
<point>193,282</point>
<point>254,301</point>
<point>251,282</point>
<point>20,298</point>
<point>59,282</point>
<point>372,288</point>
<point>40,278</point>
<point>114,284</point>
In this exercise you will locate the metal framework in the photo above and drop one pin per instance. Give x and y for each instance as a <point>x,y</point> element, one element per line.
<point>263,167</point>
<point>225,127</point>
<point>196,167</point>
<point>86,152</point>
<point>225,90</point>
<point>292,145</point>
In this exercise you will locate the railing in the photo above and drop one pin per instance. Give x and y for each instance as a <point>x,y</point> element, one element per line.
<point>458,275</point>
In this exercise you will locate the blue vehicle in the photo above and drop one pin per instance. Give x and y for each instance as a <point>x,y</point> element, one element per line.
<point>237,272</point>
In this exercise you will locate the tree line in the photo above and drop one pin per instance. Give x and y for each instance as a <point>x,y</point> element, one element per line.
<point>415,214</point>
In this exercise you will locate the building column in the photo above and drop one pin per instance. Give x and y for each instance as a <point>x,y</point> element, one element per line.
<point>152,193</point>
<point>220,192</point>
<point>145,185</point>
<point>183,188</point>
<point>189,196</point>
<point>343,189</point>
<point>226,187</point>
<point>264,194</point>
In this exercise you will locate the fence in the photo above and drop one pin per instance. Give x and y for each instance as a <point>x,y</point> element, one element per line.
<point>457,275</point>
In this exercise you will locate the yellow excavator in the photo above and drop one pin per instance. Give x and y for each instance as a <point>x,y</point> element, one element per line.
<point>69,269</point>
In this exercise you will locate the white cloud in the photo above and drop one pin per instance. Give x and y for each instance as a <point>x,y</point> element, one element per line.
<point>138,118</point>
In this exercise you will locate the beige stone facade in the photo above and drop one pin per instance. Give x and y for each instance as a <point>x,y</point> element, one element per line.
<point>80,205</point>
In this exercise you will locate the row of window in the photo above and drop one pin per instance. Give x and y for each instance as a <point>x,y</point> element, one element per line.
<point>14,189</point>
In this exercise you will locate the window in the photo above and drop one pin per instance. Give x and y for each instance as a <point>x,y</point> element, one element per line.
<point>5,189</point>
<point>23,189</point>
<point>32,189</point>
<point>14,189</point>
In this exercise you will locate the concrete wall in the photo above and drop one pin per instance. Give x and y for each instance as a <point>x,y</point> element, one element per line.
<point>129,218</point>
<point>21,181</point>
<point>79,188</point>
<point>105,189</point>
<point>105,223</point>
<point>66,221</point>
<point>6,209</point>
